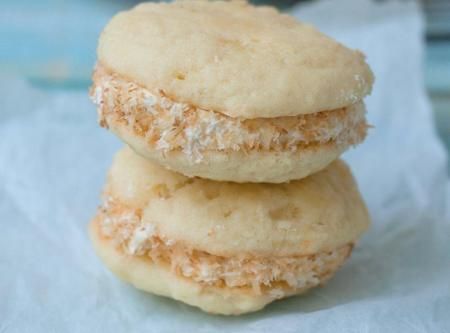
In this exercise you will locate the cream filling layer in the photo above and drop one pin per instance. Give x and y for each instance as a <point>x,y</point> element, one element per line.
<point>168,125</point>
<point>277,276</point>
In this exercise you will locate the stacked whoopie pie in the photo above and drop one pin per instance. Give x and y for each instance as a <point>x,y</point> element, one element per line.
<point>230,194</point>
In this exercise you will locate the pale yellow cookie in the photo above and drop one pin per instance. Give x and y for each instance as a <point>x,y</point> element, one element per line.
<point>233,58</point>
<point>229,91</point>
<point>227,248</point>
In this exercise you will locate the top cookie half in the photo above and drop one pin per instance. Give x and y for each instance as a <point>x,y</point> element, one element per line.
<point>233,58</point>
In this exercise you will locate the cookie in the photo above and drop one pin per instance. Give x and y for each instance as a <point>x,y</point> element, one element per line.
<point>226,248</point>
<point>229,91</point>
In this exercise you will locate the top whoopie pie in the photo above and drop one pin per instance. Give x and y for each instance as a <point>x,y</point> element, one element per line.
<point>229,91</point>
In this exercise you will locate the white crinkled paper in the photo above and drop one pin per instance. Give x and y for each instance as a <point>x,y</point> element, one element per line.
<point>53,161</point>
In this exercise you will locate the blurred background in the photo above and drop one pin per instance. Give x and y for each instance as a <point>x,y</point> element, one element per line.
<point>52,44</point>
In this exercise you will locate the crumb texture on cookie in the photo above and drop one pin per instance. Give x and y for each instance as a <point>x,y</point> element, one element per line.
<point>318,213</point>
<point>234,58</point>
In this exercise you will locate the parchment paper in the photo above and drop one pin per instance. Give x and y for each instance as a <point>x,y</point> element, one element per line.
<point>53,161</point>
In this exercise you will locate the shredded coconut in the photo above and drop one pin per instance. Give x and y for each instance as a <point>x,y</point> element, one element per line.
<point>137,243</point>
<point>167,125</point>
<point>98,95</point>
<point>272,275</point>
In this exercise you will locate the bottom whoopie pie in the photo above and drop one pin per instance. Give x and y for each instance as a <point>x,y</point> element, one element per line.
<point>226,248</point>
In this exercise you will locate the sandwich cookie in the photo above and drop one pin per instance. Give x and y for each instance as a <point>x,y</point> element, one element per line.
<point>226,248</point>
<point>229,91</point>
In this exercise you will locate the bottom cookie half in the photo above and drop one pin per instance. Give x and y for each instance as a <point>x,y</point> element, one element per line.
<point>159,277</point>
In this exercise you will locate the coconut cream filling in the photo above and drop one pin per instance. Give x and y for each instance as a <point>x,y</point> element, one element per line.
<point>277,276</point>
<point>168,125</point>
